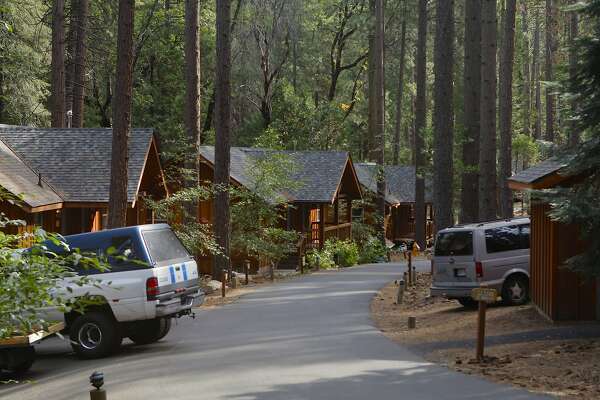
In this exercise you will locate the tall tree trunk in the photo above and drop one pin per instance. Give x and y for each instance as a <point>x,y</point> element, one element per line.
<point>574,133</point>
<point>537,131</point>
<point>70,39</point>
<point>379,87</point>
<point>420,120</point>
<point>79,61</point>
<point>507,55</point>
<point>487,151</point>
<point>472,97</point>
<point>192,99</point>
<point>443,115</point>
<point>526,112</point>
<point>400,93</point>
<point>372,106</point>
<point>549,71</point>
<point>222,135</point>
<point>117,203</point>
<point>58,65</point>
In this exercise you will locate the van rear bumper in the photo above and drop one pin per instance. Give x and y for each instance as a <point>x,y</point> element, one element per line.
<point>457,292</point>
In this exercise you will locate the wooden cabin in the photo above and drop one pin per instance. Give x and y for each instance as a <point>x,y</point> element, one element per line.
<point>319,208</point>
<point>63,176</point>
<point>558,293</point>
<point>399,198</point>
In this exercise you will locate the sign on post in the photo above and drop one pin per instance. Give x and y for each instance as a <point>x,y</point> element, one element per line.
<point>483,296</point>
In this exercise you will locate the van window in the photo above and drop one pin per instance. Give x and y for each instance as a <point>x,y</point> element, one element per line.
<point>458,243</point>
<point>163,246</point>
<point>505,238</point>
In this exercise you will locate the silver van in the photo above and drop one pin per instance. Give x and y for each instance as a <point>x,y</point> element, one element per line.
<point>491,254</point>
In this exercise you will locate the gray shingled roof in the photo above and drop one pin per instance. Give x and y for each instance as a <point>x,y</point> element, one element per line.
<point>400,182</point>
<point>76,162</point>
<point>318,173</point>
<point>19,179</point>
<point>538,171</point>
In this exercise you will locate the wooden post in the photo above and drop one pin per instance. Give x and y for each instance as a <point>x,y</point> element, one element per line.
<point>247,270</point>
<point>400,294</point>
<point>410,282</point>
<point>302,262</point>
<point>414,272</point>
<point>97,394</point>
<point>223,282</point>
<point>481,329</point>
<point>412,322</point>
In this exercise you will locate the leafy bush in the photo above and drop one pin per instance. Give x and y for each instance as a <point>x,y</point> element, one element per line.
<point>343,252</point>
<point>372,251</point>
<point>320,259</point>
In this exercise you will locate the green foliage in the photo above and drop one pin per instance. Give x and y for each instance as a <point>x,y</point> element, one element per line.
<point>343,252</point>
<point>30,278</point>
<point>525,149</point>
<point>372,251</point>
<point>256,212</point>
<point>320,259</point>
<point>196,237</point>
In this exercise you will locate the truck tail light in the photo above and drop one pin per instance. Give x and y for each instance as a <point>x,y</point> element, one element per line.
<point>479,269</point>
<point>152,288</point>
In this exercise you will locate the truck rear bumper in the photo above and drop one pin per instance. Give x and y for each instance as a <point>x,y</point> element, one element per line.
<point>457,292</point>
<point>178,304</point>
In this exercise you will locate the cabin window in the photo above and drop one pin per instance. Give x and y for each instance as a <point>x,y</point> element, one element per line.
<point>329,214</point>
<point>358,214</point>
<point>343,210</point>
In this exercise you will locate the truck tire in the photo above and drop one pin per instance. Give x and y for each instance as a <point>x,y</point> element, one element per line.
<point>515,291</point>
<point>18,360</point>
<point>150,331</point>
<point>95,335</point>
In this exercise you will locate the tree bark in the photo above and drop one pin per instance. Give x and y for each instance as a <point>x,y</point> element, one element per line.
<point>380,114</point>
<point>487,151</point>
<point>371,123</point>
<point>192,99</point>
<point>400,93</point>
<point>537,131</point>
<point>79,61</point>
<point>58,65</point>
<point>472,97</point>
<point>443,115</point>
<point>574,133</point>
<point>526,72</point>
<point>222,136</point>
<point>549,71</point>
<point>117,204</point>
<point>420,120</point>
<point>507,56</point>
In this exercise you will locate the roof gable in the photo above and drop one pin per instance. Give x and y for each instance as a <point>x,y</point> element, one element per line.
<point>539,176</point>
<point>76,161</point>
<point>318,173</point>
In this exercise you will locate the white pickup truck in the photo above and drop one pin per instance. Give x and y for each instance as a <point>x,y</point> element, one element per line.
<point>152,278</point>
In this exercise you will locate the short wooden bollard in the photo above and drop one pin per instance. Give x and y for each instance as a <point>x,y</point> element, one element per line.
<point>400,295</point>
<point>97,381</point>
<point>223,283</point>
<point>302,263</point>
<point>412,322</point>
<point>414,279</point>
<point>247,271</point>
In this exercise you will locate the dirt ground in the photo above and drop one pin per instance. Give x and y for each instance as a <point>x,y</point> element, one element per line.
<point>522,348</point>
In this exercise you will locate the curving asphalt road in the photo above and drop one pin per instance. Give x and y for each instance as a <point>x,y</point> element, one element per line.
<point>308,338</point>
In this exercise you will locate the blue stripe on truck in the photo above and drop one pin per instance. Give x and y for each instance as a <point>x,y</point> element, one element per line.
<point>184,269</point>
<point>172,272</point>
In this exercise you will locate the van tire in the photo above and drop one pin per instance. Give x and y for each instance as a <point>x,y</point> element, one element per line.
<point>515,291</point>
<point>95,335</point>
<point>150,331</point>
<point>468,302</point>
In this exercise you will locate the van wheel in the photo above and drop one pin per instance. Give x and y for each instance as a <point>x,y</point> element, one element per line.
<point>515,290</point>
<point>468,302</point>
<point>95,335</point>
<point>150,331</point>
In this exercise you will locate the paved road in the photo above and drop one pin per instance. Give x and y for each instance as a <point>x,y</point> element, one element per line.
<point>309,338</point>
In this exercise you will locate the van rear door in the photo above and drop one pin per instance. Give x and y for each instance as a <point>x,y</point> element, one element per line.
<point>454,263</point>
<point>174,267</point>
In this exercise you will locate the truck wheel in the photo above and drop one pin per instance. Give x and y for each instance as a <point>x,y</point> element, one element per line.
<point>166,327</point>
<point>95,335</point>
<point>150,331</point>
<point>17,361</point>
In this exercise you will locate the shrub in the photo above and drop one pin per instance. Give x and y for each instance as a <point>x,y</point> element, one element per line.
<point>372,251</point>
<point>343,252</point>
<point>320,259</point>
